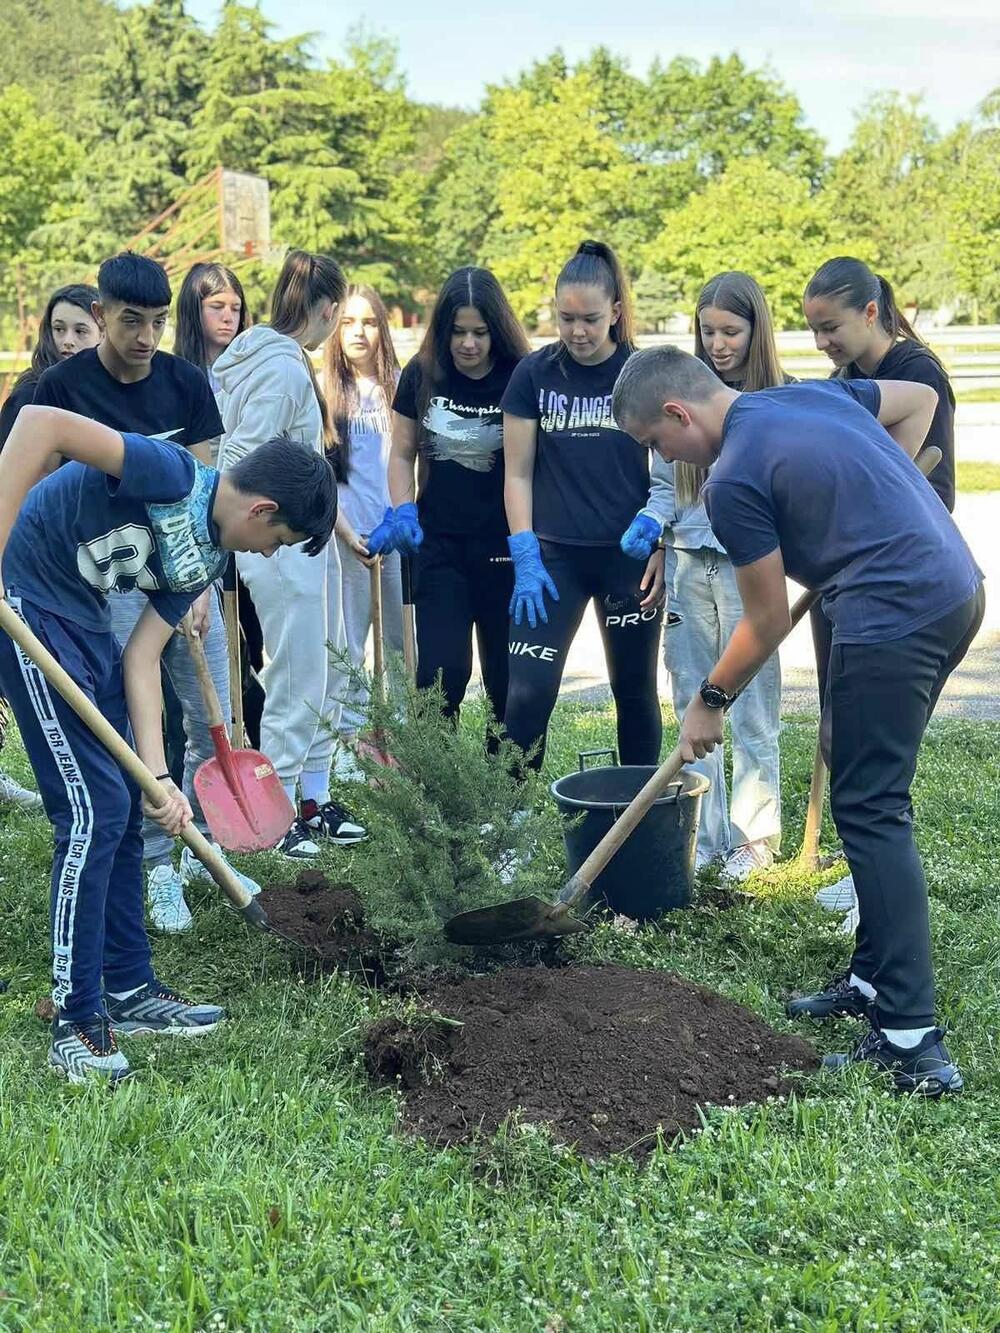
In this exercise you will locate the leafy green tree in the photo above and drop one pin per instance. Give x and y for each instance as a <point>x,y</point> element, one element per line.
<point>754,217</point>
<point>974,210</point>
<point>49,46</point>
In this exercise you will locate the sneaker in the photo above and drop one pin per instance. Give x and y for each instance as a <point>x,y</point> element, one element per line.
<point>839,897</point>
<point>743,861</point>
<point>192,870</point>
<point>839,999</point>
<point>168,911</point>
<point>12,793</point>
<point>156,1009</point>
<point>331,822</point>
<point>926,1069</point>
<point>85,1050</point>
<point>345,766</point>
<point>297,843</point>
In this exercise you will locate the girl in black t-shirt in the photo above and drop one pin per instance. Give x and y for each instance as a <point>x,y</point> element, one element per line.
<point>574,483</point>
<point>447,415</point>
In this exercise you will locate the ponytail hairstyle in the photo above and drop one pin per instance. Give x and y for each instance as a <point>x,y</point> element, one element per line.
<point>45,353</point>
<point>596,264</point>
<point>853,283</point>
<point>203,280</point>
<point>475,287</point>
<point>738,294</point>
<point>342,386</point>
<point>304,280</point>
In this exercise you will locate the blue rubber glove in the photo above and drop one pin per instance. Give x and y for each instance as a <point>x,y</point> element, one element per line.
<point>409,533</point>
<point>641,536</point>
<point>381,540</point>
<point>531,580</point>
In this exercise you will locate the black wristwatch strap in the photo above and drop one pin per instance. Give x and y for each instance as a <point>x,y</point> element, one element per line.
<point>714,697</point>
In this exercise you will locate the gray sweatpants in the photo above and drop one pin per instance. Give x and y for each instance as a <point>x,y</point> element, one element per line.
<point>358,621</point>
<point>706,597</point>
<point>126,608</point>
<point>298,602</point>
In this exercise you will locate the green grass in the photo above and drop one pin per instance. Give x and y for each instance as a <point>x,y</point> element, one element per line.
<point>974,478</point>
<point>255,1182</point>
<point>985,395</point>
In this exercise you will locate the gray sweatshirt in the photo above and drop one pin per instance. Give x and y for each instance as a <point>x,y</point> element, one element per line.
<point>265,390</point>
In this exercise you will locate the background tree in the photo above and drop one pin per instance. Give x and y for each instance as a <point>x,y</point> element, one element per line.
<point>974,211</point>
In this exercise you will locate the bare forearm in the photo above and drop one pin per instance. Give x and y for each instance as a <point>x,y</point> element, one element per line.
<point>144,699</point>
<point>517,499</point>
<point>402,489</point>
<point>751,644</point>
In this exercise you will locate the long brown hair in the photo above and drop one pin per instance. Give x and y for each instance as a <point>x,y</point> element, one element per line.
<point>203,280</point>
<point>738,294</point>
<point>853,283</point>
<point>596,264</point>
<point>305,279</point>
<point>340,380</point>
<point>45,353</point>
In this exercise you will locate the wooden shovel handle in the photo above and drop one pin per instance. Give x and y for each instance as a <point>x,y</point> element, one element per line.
<point>409,631</point>
<point>209,694</point>
<point>231,612</point>
<point>122,752</point>
<point>378,647</point>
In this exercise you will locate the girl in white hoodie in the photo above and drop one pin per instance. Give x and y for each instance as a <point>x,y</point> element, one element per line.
<point>267,388</point>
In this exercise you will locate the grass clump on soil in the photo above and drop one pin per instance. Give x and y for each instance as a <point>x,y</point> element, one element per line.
<point>256,1181</point>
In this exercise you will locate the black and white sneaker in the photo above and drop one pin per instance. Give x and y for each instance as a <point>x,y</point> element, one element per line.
<point>298,844</point>
<point>86,1050</point>
<point>838,999</point>
<point>926,1069</point>
<point>332,823</point>
<point>156,1010</point>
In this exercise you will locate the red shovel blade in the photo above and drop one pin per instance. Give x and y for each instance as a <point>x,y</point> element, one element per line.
<point>245,805</point>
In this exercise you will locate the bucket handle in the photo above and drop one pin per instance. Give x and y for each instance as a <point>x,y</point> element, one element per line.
<point>672,793</point>
<point>584,755</point>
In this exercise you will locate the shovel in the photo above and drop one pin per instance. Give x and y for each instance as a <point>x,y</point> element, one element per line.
<point>231,605</point>
<point>374,748</point>
<point>409,629</point>
<point>119,749</point>
<point>533,917</point>
<point>241,797</point>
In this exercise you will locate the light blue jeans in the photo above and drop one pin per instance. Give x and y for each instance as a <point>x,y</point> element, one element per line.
<point>706,598</point>
<point>126,608</point>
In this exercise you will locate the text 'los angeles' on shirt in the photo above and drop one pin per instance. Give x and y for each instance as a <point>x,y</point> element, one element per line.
<point>590,477</point>
<point>461,438</point>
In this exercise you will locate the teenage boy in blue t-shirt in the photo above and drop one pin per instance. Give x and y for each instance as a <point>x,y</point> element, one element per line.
<point>816,481</point>
<point>129,512</point>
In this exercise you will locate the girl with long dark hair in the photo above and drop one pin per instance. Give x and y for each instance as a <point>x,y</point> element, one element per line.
<point>734,335</point>
<point>574,483</point>
<point>211,312</point>
<point>361,374</point>
<point>447,414</point>
<point>268,388</point>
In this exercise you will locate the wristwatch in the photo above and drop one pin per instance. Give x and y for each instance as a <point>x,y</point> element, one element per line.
<point>714,697</point>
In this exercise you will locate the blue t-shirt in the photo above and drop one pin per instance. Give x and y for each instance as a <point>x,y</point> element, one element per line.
<point>809,469</point>
<point>81,535</point>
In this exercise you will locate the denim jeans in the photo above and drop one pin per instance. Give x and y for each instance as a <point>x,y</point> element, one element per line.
<point>357,586</point>
<point>707,600</point>
<point>126,608</point>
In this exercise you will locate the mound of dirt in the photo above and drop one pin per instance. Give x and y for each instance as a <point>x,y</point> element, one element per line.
<point>327,921</point>
<point>603,1055</point>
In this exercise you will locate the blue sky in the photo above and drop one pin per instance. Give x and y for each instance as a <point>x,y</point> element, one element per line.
<point>832,55</point>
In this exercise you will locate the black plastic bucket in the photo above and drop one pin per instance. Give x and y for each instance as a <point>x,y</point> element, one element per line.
<point>654,871</point>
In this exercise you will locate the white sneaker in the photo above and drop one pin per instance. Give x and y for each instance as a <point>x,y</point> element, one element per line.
<point>192,870</point>
<point>345,766</point>
<point>165,895</point>
<point>12,793</point>
<point>839,897</point>
<point>743,861</point>
<point>851,921</point>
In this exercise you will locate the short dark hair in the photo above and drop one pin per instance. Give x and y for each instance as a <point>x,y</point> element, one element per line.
<point>300,482</point>
<point>648,378</point>
<point>134,280</point>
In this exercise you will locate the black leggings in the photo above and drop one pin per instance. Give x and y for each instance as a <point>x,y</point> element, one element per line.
<point>461,585</point>
<point>609,578</point>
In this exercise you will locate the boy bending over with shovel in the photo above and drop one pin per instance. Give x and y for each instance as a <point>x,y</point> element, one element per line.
<point>816,481</point>
<point>129,512</point>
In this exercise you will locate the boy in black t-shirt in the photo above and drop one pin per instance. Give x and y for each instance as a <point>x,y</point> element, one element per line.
<point>128,384</point>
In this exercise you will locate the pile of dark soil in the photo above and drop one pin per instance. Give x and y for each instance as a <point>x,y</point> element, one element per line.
<point>328,922</point>
<point>605,1056</point>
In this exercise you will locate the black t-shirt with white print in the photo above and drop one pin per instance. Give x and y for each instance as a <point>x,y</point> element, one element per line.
<point>174,402</point>
<point>590,477</point>
<point>462,441</point>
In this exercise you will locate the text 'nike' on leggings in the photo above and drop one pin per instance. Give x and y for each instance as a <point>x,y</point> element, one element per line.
<point>631,636</point>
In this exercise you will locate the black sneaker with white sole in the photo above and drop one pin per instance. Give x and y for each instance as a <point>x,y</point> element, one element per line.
<point>298,843</point>
<point>157,1010</point>
<point>927,1070</point>
<point>85,1050</point>
<point>838,999</point>
<point>331,822</point>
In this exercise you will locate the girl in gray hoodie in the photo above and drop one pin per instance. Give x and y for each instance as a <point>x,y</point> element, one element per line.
<point>267,388</point>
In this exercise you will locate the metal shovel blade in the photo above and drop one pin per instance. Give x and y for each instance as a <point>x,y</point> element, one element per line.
<point>244,804</point>
<point>522,919</point>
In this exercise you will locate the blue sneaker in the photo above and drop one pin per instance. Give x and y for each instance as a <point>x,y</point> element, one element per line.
<point>157,1009</point>
<point>85,1050</point>
<point>926,1070</point>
